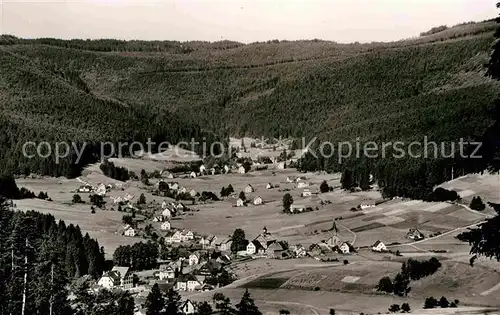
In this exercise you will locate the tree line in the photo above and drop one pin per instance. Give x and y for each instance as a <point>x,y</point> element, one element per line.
<point>47,245</point>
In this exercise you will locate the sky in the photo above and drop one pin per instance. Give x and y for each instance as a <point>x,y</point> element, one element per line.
<point>247,21</point>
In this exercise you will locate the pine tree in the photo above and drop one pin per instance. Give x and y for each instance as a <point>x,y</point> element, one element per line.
<point>203,308</point>
<point>247,305</point>
<point>155,303</point>
<point>173,303</point>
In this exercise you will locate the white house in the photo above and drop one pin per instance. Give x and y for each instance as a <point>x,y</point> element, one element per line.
<point>187,283</point>
<point>241,170</point>
<point>203,169</point>
<point>257,200</point>
<point>306,193</point>
<point>226,169</point>
<point>364,206</point>
<point>281,165</point>
<point>173,237</point>
<point>194,259</point>
<point>225,245</point>
<point>129,232</point>
<point>165,226</point>
<point>297,208</point>
<point>117,277</point>
<point>85,188</point>
<point>302,185</point>
<point>108,280</point>
<point>192,193</point>
<point>192,175</point>
<point>166,213</point>
<point>290,179</point>
<point>164,205</point>
<point>249,189</point>
<point>379,247</point>
<point>173,186</point>
<point>251,249</point>
<point>187,308</point>
<point>187,235</point>
<point>158,219</point>
<point>212,171</point>
<point>269,186</point>
<point>208,241</point>
<point>166,273</point>
<point>344,248</point>
<point>240,202</point>
<point>101,190</point>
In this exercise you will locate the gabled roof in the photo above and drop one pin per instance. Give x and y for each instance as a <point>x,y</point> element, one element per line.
<point>377,243</point>
<point>186,278</point>
<point>122,271</point>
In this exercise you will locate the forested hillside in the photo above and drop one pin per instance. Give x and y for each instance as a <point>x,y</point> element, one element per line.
<point>433,86</point>
<point>48,246</point>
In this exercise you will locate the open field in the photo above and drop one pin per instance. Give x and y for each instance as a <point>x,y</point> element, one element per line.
<point>306,286</point>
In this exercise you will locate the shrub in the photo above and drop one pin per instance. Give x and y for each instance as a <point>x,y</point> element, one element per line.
<point>77,199</point>
<point>346,261</point>
<point>394,308</point>
<point>430,302</point>
<point>385,285</point>
<point>405,308</point>
<point>477,204</point>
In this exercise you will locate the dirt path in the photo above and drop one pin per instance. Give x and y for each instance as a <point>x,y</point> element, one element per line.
<point>350,231</point>
<point>412,244</point>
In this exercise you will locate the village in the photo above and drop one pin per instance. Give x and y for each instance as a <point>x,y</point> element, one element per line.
<point>211,226</point>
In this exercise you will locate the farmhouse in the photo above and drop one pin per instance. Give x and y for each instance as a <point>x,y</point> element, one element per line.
<point>249,189</point>
<point>415,235</point>
<point>379,247</point>
<point>208,241</point>
<point>85,188</point>
<point>187,283</point>
<point>203,169</point>
<point>257,200</point>
<point>333,241</point>
<point>129,232</point>
<point>173,237</point>
<point>212,171</point>
<point>255,247</point>
<point>166,272</point>
<point>240,202</point>
<point>298,250</point>
<point>165,226</point>
<point>302,185</point>
<point>192,175</point>
<point>187,308</point>
<point>306,193</point>
<point>192,193</point>
<point>194,259</point>
<point>158,219</point>
<point>226,169</point>
<point>281,166</point>
<point>187,235</point>
<point>101,190</point>
<point>241,170</point>
<point>167,174</point>
<point>291,179</point>
<point>301,178</point>
<point>269,186</point>
<point>345,248</point>
<point>166,214</point>
<point>366,205</point>
<point>225,245</point>
<point>173,186</point>
<point>297,208</point>
<point>117,277</point>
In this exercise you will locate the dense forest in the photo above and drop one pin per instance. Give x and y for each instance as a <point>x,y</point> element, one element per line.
<point>124,91</point>
<point>46,245</point>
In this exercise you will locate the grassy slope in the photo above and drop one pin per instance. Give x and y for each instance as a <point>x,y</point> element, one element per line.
<point>431,85</point>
